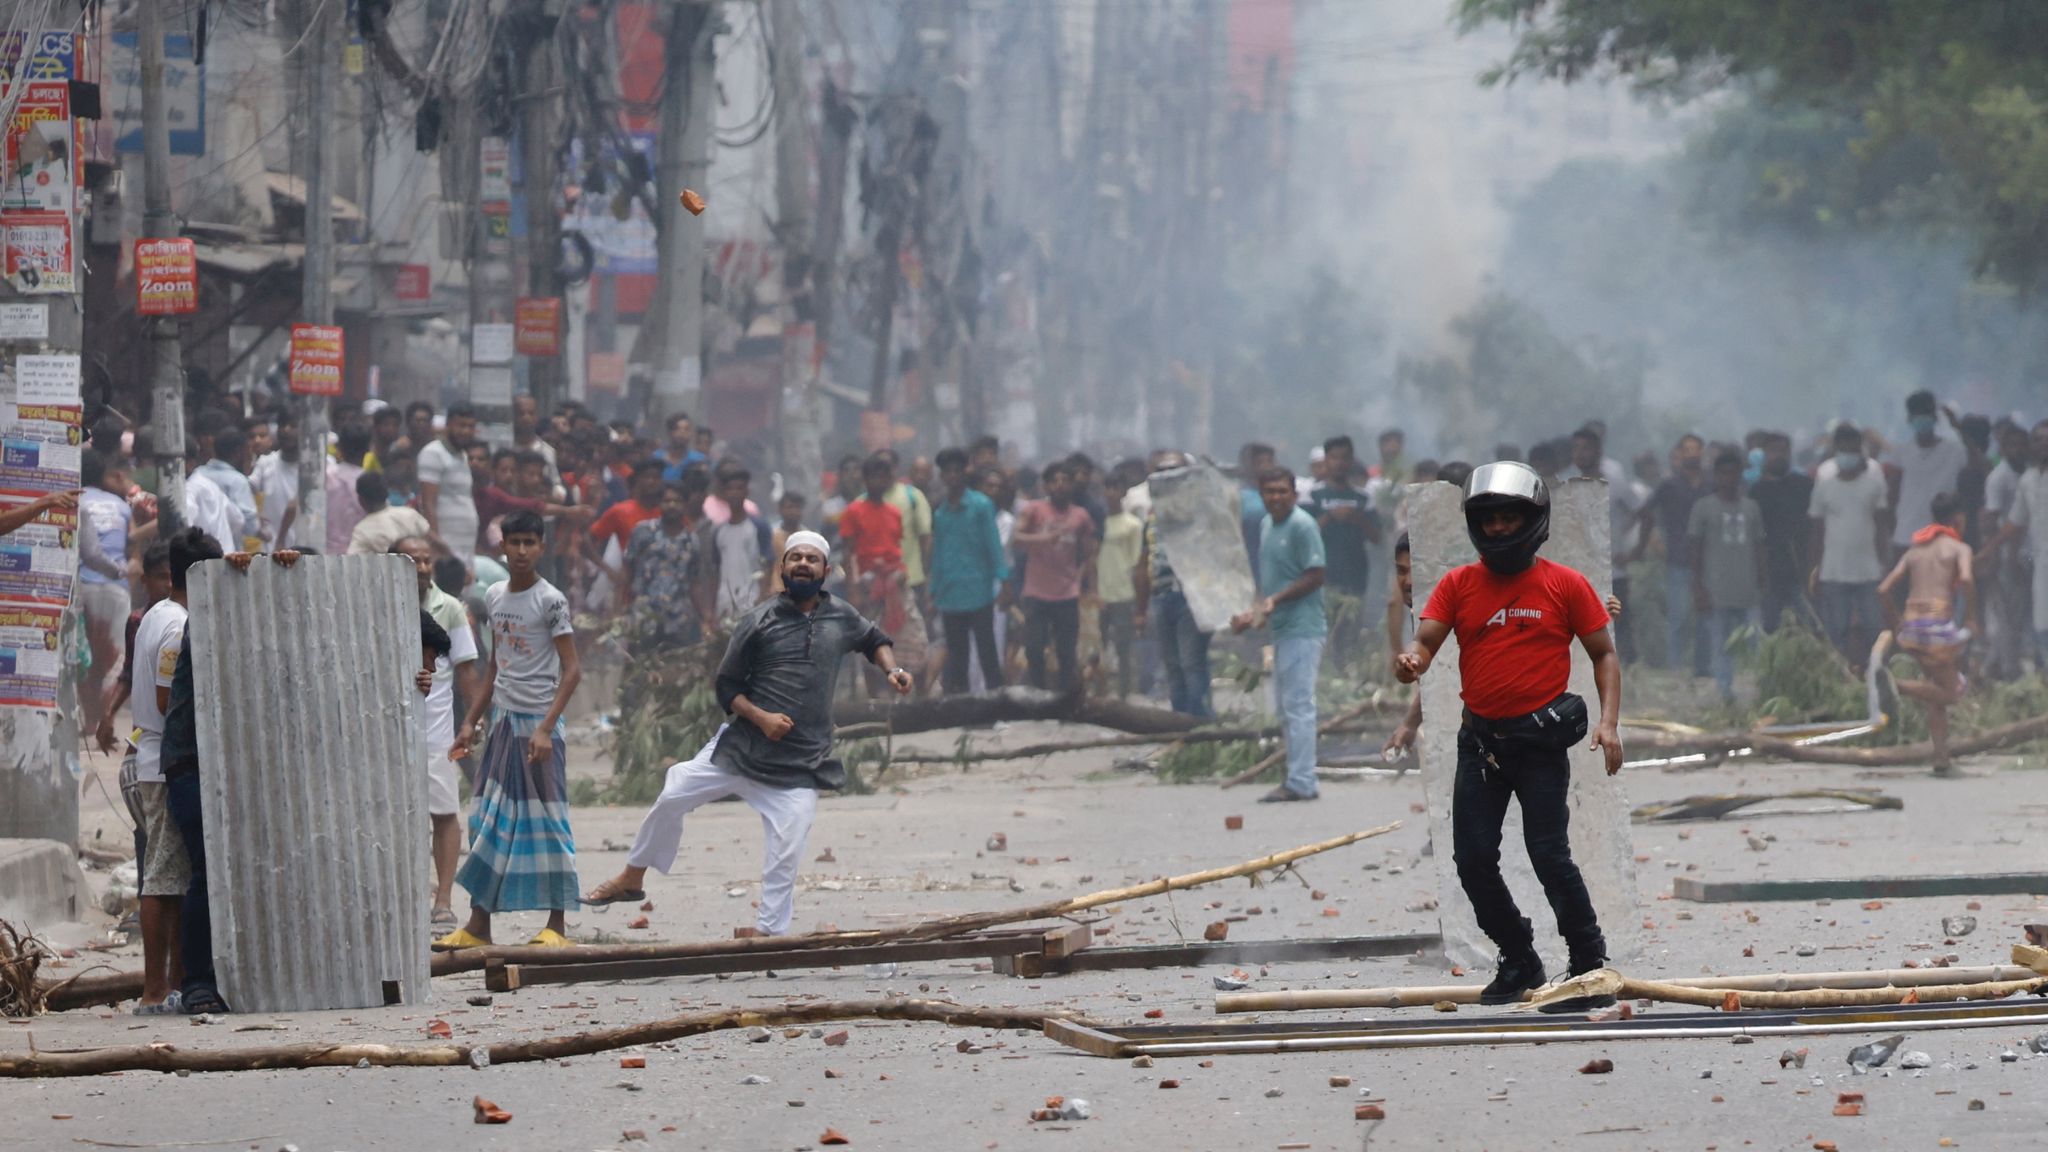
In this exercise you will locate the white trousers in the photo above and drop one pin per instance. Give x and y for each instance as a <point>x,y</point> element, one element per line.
<point>786,815</point>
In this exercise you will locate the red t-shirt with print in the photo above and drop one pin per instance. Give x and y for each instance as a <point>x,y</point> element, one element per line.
<point>1515,632</point>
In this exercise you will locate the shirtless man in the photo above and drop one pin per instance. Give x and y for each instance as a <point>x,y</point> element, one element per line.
<point>1935,570</point>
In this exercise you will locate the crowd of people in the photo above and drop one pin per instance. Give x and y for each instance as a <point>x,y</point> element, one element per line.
<point>959,573</point>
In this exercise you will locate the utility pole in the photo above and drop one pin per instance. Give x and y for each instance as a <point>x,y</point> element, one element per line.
<point>159,222</point>
<point>684,160</point>
<point>537,136</point>
<point>316,294</point>
<point>803,454</point>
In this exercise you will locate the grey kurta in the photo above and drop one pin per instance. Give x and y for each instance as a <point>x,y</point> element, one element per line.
<point>785,660</point>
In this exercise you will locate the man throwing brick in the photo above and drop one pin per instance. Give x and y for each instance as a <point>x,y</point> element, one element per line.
<point>776,683</point>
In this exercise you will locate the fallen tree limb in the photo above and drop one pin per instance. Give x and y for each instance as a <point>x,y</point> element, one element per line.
<point>1421,996</point>
<point>1894,756</point>
<point>1013,704</point>
<point>1034,751</point>
<point>1715,807</point>
<point>1278,754</point>
<point>975,921</point>
<point>170,1058</point>
<point>1609,982</point>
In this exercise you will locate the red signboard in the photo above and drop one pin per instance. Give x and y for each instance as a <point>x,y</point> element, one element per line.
<point>316,360</point>
<point>537,326</point>
<point>166,277</point>
<point>415,282</point>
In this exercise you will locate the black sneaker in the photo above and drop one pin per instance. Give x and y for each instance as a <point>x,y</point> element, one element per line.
<point>1516,975</point>
<point>1577,1004</point>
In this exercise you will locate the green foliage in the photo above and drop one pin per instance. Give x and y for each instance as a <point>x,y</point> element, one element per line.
<point>1207,760</point>
<point>1947,101</point>
<point>1800,678</point>
<point>670,710</point>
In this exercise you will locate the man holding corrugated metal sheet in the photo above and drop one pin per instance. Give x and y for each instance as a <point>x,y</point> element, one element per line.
<point>776,682</point>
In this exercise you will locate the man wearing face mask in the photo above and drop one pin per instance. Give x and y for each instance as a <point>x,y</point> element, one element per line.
<point>776,682</point>
<point>1516,616</point>
<point>1928,465</point>
<point>1783,495</point>
<point>1847,510</point>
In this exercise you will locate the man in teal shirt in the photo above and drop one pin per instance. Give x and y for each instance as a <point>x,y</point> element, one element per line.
<point>1291,608</point>
<point>967,567</point>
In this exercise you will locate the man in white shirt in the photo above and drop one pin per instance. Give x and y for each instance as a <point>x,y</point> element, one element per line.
<point>1928,464</point>
<point>2029,519</point>
<point>2008,569</point>
<point>1847,509</point>
<point>207,508</point>
<point>276,481</point>
<point>226,470</point>
<point>446,491</point>
<point>453,670</point>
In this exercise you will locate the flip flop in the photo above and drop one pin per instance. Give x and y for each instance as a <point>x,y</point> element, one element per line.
<point>203,1000</point>
<point>443,920</point>
<point>618,896</point>
<point>549,938</point>
<point>172,1005</point>
<point>460,938</point>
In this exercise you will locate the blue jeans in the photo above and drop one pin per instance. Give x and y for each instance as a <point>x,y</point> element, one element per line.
<point>1721,625</point>
<point>1184,650</point>
<point>1680,618</point>
<point>1845,606</point>
<point>1296,660</point>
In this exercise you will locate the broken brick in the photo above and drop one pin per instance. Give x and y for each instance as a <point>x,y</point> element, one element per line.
<point>1599,1067</point>
<point>1848,1109</point>
<point>489,1113</point>
<point>647,907</point>
<point>632,1061</point>
<point>632,1134</point>
<point>1331,912</point>
<point>440,1030</point>
<point>833,1136</point>
<point>1731,1002</point>
<point>836,1039</point>
<point>637,922</point>
<point>1169,1083</point>
<point>1154,1013</point>
<point>1369,1112</point>
<point>1233,823</point>
<point>1872,905</point>
<point>1340,1081</point>
<point>1216,931</point>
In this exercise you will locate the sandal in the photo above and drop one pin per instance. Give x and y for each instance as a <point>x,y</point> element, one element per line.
<point>204,1000</point>
<point>172,1005</point>
<point>549,938</point>
<point>460,938</point>
<point>609,892</point>
<point>443,921</point>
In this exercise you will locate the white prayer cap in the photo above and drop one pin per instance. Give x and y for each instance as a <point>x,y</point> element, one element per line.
<point>807,539</point>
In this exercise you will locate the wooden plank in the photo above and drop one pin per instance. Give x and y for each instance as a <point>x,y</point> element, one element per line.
<point>1066,940</point>
<point>1196,954</point>
<point>988,947</point>
<point>1859,887</point>
<point>1080,1036</point>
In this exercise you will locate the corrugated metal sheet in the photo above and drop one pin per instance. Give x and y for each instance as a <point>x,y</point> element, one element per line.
<point>315,799</point>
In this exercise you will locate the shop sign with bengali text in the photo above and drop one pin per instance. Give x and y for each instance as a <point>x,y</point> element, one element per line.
<point>537,326</point>
<point>316,363</point>
<point>166,277</point>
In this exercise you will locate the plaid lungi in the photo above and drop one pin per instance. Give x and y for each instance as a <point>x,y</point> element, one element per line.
<point>522,855</point>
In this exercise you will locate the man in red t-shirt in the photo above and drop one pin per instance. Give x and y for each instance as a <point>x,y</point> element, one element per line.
<point>1515,616</point>
<point>871,529</point>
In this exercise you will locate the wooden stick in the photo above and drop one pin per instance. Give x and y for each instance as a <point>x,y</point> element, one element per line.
<point>1034,751</point>
<point>1901,755</point>
<point>1424,995</point>
<point>1609,982</point>
<point>975,921</point>
<point>170,1058</point>
<point>1274,757</point>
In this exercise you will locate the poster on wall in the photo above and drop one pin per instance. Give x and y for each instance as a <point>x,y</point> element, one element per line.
<point>40,257</point>
<point>166,277</point>
<point>39,560</point>
<point>29,658</point>
<point>316,360</point>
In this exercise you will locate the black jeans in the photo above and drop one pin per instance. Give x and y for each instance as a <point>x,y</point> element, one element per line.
<point>1540,778</point>
<point>1057,622</point>
<point>980,625</point>
<point>195,925</point>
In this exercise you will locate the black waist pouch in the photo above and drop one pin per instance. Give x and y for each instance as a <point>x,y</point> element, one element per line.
<point>1557,725</point>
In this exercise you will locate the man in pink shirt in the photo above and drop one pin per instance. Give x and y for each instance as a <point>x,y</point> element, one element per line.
<point>1056,538</point>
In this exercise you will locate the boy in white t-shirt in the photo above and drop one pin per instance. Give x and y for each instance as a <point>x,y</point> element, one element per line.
<point>522,855</point>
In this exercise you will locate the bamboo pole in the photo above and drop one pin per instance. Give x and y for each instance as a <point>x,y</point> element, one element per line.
<point>1326,727</point>
<point>170,1058</point>
<point>1611,983</point>
<point>1166,745</point>
<point>974,921</point>
<point>1424,995</point>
